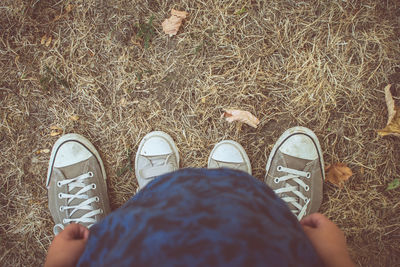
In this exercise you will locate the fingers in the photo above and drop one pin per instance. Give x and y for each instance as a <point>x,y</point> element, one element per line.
<point>84,232</point>
<point>308,230</point>
<point>313,220</point>
<point>79,246</point>
<point>327,239</point>
<point>75,231</point>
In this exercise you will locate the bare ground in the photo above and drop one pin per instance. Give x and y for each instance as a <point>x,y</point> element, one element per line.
<point>319,64</point>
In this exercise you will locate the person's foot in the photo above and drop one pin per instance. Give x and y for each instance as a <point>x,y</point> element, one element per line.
<point>157,155</point>
<point>295,170</point>
<point>76,182</point>
<point>229,154</point>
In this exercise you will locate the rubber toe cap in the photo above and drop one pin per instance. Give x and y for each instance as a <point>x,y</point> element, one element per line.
<point>226,152</point>
<point>71,153</point>
<point>156,146</point>
<point>300,146</point>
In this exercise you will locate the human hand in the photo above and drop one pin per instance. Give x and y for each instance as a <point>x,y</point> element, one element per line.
<point>68,246</point>
<point>327,239</point>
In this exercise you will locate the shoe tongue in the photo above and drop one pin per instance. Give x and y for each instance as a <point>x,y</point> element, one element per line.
<point>295,163</point>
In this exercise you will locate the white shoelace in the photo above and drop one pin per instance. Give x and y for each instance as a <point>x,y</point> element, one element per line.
<point>149,172</point>
<point>156,162</point>
<point>293,175</point>
<point>78,182</point>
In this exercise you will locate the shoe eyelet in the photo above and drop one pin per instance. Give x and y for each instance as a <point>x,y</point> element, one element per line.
<point>93,186</point>
<point>308,175</point>
<point>97,199</point>
<point>90,174</point>
<point>60,196</point>
<point>59,184</point>
<point>307,188</point>
<point>276,180</point>
<point>279,168</point>
<point>61,208</point>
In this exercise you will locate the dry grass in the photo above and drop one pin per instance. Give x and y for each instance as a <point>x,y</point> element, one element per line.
<point>320,64</point>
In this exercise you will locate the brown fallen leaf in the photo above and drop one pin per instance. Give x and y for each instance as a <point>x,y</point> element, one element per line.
<point>43,151</point>
<point>44,39</point>
<point>393,123</point>
<point>55,130</point>
<point>232,115</point>
<point>123,102</point>
<point>48,42</point>
<point>67,9</point>
<point>338,173</point>
<point>55,133</point>
<point>171,25</point>
<point>179,14</point>
<point>74,117</point>
<point>55,127</point>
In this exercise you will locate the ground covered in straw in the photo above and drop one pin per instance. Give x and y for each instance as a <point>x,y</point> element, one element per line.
<point>319,64</point>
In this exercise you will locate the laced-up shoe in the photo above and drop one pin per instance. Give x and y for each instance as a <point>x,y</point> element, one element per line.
<point>76,182</point>
<point>229,154</point>
<point>295,170</point>
<point>157,155</point>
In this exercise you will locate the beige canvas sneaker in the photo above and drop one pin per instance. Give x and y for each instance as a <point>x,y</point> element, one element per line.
<point>157,155</point>
<point>295,170</point>
<point>76,182</point>
<point>229,154</point>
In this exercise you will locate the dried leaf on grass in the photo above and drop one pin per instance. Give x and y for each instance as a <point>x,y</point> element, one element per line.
<point>55,133</point>
<point>393,184</point>
<point>123,102</point>
<point>55,130</point>
<point>179,14</point>
<point>171,25</point>
<point>43,40</point>
<point>338,173</point>
<point>74,117</point>
<point>46,40</point>
<point>393,123</point>
<point>232,115</point>
<point>43,151</point>
<point>68,10</point>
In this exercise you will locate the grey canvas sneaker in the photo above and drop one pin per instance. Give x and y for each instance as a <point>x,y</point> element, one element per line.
<point>76,183</point>
<point>229,154</point>
<point>157,155</point>
<point>295,170</point>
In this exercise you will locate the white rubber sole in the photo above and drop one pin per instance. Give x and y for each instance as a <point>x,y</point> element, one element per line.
<point>287,134</point>
<point>237,146</point>
<point>153,134</point>
<point>77,138</point>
